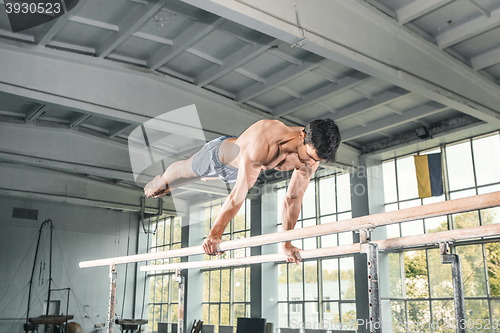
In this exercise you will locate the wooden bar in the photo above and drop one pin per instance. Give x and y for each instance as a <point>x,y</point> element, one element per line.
<point>386,244</point>
<point>482,201</point>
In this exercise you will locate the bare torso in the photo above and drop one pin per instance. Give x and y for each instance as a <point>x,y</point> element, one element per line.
<point>269,142</point>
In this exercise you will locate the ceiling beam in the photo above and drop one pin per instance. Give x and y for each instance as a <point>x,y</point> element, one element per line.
<point>50,29</point>
<point>393,121</point>
<point>458,33</point>
<point>94,23</point>
<point>131,26</point>
<point>419,8</point>
<point>288,74</point>
<point>235,61</point>
<point>486,59</point>
<point>67,166</point>
<point>119,129</point>
<point>380,100</point>
<point>320,94</point>
<point>79,120</point>
<point>184,41</point>
<point>35,112</point>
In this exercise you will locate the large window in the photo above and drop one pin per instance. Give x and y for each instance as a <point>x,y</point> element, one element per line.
<point>226,292</point>
<point>164,290</point>
<point>421,287</point>
<point>319,290</point>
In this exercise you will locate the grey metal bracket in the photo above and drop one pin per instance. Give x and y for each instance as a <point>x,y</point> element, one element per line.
<point>458,286</point>
<point>179,278</point>
<point>112,298</point>
<point>374,299</point>
<point>364,234</point>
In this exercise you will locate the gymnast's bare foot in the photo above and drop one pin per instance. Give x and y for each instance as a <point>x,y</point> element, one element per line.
<point>156,188</point>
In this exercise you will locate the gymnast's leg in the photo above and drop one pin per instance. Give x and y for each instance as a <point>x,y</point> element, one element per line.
<point>177,174</point>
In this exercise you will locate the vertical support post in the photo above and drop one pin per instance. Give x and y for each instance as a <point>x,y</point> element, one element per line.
<point>112,298</point>
<point>374,300</point>
<point>458,286</point>
<point>180,324</point>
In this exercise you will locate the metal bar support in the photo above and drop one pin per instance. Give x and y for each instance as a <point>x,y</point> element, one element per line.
<point>375,306</point>
<point>112,298</point>
<point>179,278</point>
<point>458,286</point>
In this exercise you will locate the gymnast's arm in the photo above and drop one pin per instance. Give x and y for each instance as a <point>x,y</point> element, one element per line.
<point>291,205</point>
<point>248,171</point>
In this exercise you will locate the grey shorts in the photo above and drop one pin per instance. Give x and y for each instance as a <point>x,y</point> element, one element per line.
<point>206,162</point>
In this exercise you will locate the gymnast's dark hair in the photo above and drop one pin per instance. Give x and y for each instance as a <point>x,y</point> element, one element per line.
<point>324,136</point>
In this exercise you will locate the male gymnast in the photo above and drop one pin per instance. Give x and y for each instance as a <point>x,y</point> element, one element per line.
<point>267,144</point>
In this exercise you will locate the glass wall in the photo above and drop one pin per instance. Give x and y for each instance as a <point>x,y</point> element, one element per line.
<point>164,291</point>
<point>226,292</point>
<point>421,287</point>
<point>319,293</point>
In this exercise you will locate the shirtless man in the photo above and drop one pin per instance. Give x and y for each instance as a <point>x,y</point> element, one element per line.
<point>267,144</point>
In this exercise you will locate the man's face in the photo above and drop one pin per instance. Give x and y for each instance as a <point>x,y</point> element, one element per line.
<point>307,154</point>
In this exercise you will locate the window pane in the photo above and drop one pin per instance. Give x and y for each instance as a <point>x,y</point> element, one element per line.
<point>398,316</point>
<point>247,274</point>
<point>345,238</point>
<point>327,195</point>
<point>225,285</point>
<point>477,312</point>
<point>416,274</point>
<point>309,201</point>
<point>436,224</point>
<point>395,275</point>
<point>206,313</point>
<point>311,314</point>
<point>419,316</point>
<point>282,283</point>
<point>206,286</point>
<point>168,227</point>
<point>466,220</point>
<point>239,284</point>
<point>487,159</point>
<point>239,311</point>
<point>459,163</point>
<point>495,313</point>
<point>443,313</point>
<point>407,178</point>
<point>174,315</point>
<point>214,314</point>
<point>177,229</point>
<point>462,194</point>
<point>412,228</point>
<point>330,279</point>
<point>440,279</point>
<point>239,219</point>
<point>331,314</point>
<point>389,171</point>
<point>472,270</point>
<point>493,264</point>
<point>166,279</point>
<point>311,276</point>
<point>344,192</point>
<point>157,316</point>
<point>348,313</point>
<point>296,281</point>
<point>214,286</point>
<point>347,287</point>
<point>224,314</point>
<point>283,314</point>
<point>490,216</point>
<point>295,313</point>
